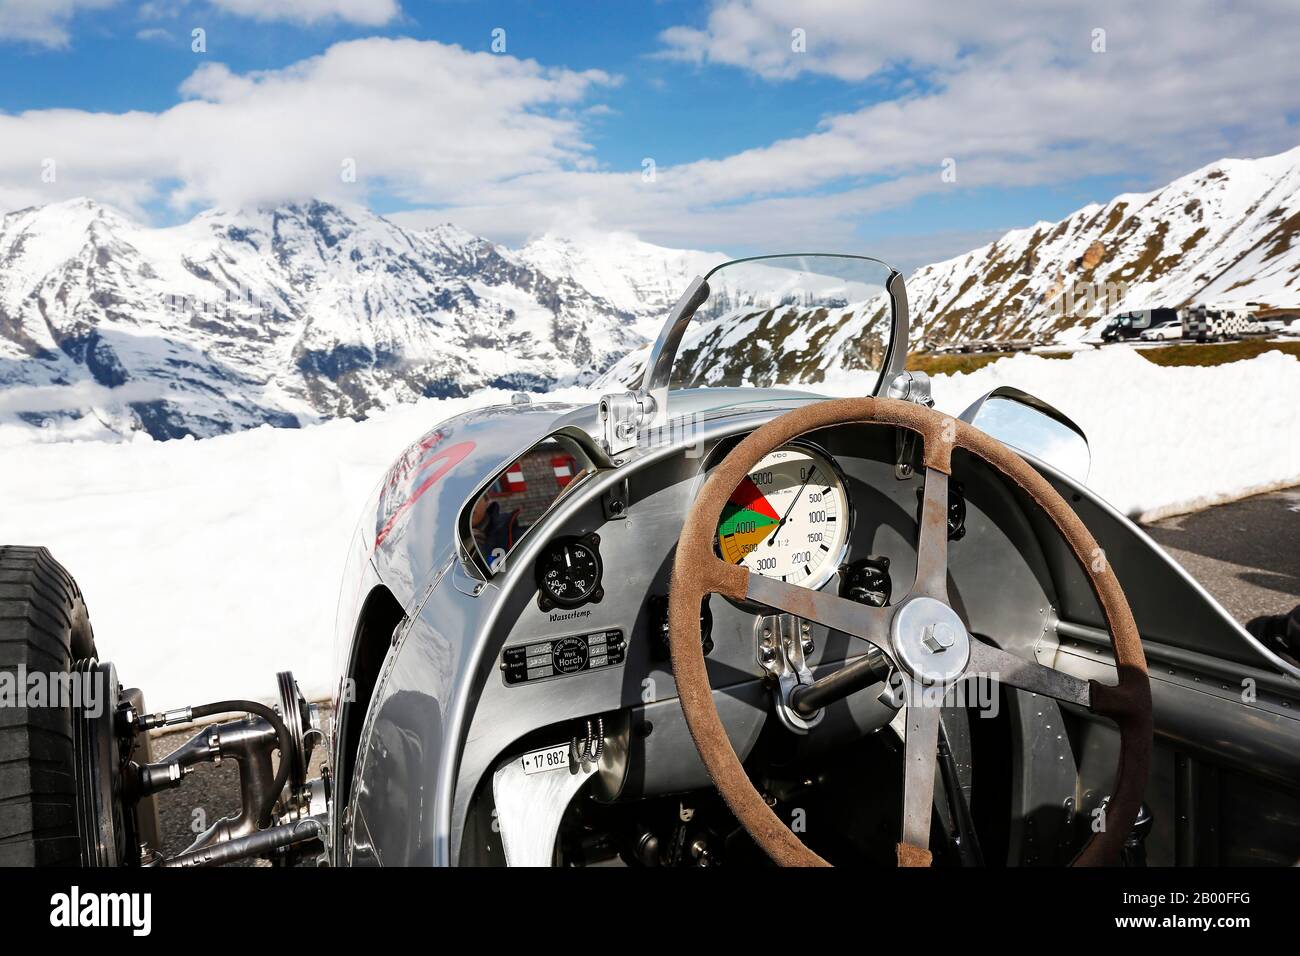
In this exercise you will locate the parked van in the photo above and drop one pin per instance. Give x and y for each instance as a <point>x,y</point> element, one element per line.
<point>1213,323</point>
<point>1129,325</point>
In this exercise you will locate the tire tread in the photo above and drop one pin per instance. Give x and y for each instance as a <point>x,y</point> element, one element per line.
<point>43,627</point>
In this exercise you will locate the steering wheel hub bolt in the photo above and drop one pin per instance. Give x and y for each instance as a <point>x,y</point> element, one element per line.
<point>938,637</point>
<point>929,640</point>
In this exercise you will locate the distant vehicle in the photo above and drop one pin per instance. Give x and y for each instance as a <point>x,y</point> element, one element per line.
<point>1214,323</point>
<point>1129,325</point>
<point>1163,332</point>
<point>1283,323</point>
<point>1269,325</point>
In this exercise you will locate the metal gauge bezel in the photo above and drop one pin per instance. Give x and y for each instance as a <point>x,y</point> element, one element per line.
<point>546,599</point>
<point>835,561</point>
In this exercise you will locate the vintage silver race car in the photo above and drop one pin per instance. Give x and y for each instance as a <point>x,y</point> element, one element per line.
<point>715,618</point>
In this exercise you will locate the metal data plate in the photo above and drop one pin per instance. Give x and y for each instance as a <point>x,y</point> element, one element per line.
<point>562,656</point>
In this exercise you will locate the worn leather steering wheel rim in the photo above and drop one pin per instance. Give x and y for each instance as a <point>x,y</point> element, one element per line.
<point>698,571</point>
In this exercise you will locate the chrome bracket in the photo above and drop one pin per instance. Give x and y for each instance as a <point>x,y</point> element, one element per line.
<point>904,450</point>
<point>622,415</point>
<point>783,642</point>
<point>908,387</point>
<point>911,387</point>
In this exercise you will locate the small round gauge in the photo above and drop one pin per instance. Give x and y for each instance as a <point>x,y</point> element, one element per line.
<point>568,573</point>
<point>788,518</point>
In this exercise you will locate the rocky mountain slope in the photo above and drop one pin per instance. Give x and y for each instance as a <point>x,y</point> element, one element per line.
<point>637,277</point>
<point>1224,233</point>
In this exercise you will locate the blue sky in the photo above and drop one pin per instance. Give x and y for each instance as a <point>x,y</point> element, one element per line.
<point>109,67</point>
<point>769,124</point>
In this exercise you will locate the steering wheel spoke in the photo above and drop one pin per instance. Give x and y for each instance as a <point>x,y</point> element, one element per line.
<point>920,758</point>
<point>869,623</point>
<point>932,538</point>
<point>1007,668</point>
<point>719,577</point>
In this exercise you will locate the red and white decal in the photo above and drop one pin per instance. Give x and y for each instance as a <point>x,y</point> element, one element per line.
<point>509,482</point>
<point>515,483</point>
<point>417,465</point>
<point>565,467</point>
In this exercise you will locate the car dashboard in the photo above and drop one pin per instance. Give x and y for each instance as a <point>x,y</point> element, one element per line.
<point>581,634</point>
<point>549,651</point>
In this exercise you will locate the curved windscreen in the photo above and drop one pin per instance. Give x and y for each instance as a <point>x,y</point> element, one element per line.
<point>788,320</point>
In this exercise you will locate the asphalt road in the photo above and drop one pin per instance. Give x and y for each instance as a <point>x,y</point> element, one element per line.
<point>1246,554</point>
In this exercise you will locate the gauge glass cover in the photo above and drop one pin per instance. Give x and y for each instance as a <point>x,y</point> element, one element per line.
<point>788,519</point>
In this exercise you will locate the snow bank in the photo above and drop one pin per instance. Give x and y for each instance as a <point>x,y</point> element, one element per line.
<point>209,565</point>
<point>1164,440</point>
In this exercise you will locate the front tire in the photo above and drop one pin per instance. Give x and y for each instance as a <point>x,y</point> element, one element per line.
<point>44,628</point>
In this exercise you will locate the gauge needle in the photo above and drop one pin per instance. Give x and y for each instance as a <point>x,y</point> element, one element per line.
<point>780,524</point>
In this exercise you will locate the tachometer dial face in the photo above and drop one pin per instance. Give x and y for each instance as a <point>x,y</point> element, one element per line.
<point>788,519</point>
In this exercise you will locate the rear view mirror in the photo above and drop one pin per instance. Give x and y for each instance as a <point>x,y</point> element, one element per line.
<point>1031,425</point>
<point>522,493</point>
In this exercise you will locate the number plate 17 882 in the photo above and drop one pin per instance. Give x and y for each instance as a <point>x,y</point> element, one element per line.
<point>551,758</point>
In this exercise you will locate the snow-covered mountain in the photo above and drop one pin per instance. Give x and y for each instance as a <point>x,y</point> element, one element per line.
<point>295,314</point>
<point>637,277</point>
<point>305,312</point>
<point>1223,233</point>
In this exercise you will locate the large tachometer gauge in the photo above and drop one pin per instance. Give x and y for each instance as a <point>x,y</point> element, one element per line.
<point>788,519</point>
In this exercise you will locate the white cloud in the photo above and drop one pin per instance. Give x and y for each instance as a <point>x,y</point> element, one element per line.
<point>369,13</point>
<point>850,39</point>
<point>856,40</point>
<point>414,118</point>
<point>1013,93</point>
<point>161,9</point>
<point>44,22</point>
<point>1016,94</point>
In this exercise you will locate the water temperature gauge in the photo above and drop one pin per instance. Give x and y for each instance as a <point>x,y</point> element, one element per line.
<point>568,573</point>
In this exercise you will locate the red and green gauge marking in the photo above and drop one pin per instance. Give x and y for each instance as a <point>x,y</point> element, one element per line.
<point>747,519</point>
<point>787,518</point>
